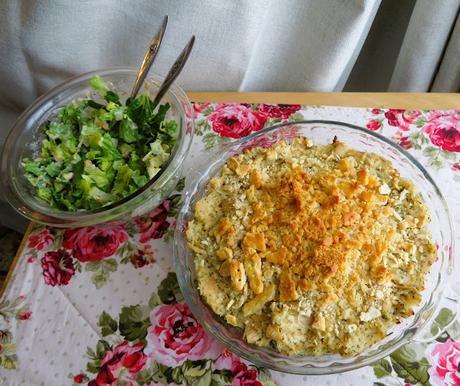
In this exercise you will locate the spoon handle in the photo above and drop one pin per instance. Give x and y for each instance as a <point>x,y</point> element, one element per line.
<point>149,57</point>
<point>174,71</point>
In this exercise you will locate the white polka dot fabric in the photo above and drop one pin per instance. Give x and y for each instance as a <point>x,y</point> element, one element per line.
<point>50,310</point>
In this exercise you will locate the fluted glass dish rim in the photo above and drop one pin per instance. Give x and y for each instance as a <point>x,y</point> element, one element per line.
<point>268,357</point>
<point>45,106</point>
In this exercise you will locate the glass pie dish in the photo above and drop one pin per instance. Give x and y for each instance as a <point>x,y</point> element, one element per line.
<point>421,326</point>
<point>24,140</point>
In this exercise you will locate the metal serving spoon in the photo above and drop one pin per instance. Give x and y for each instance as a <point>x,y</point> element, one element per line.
<point>174,71</point>
<point>149,57</point>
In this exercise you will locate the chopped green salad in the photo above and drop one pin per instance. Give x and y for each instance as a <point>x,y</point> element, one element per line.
<point>94,154</point>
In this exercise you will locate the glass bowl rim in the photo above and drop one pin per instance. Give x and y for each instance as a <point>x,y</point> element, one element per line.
<point>176,159</point>
<point>310,369</point>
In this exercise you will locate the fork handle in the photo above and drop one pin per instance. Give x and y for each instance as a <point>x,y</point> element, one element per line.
<point>149,57</point>
<point>174,71</point>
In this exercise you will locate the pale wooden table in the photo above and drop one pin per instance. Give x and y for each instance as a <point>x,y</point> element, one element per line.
<point>350,99</point>
<point>388,100</point>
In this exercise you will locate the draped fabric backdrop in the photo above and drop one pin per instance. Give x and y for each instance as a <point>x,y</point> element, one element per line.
<point>245,45</point>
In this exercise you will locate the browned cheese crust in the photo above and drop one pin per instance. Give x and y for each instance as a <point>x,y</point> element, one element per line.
<point>311,249</point>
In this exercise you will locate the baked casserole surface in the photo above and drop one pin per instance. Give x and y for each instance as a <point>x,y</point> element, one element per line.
<point>311,249</point>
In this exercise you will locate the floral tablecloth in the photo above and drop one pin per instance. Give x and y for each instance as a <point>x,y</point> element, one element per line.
<point>101,305</point>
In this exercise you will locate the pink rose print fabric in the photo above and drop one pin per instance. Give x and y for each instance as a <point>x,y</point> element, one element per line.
<point>79,378</point>
<point>199,107</point>
<point>397,118</point>
<point>242,374</point>
<point>162,344</point>
<point>58,268</point>
<point>155,224</point>
<point>123,357</point>
<point>374,125</point>
<point>444,129</point>
<point>445,364</point>
<point>236,121</point>
<point>175,336</point>
<point>94,243</point>
<point>26,315</point>
<point>269,140</point>
<point>40,240</point>
<point>12,312</point>
<point>401,118</point>
<point>101,248</point>
<point>435,133</point>
<point>403,140</point>
<point>223,122</point>
<point>143,257</point>
<point>278,111</point>
<point>100,305</point>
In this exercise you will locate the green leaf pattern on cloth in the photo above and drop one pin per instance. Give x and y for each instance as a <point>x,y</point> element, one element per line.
<point>435,133</point>
<point>144,344</point>
<point>11,312</point>
<point>162,343</point>
<point>100,249</point>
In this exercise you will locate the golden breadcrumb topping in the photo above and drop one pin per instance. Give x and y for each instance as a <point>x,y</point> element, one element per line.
<point>311,249</point>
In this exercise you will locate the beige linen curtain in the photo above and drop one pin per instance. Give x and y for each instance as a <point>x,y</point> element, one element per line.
<point>245,45</point>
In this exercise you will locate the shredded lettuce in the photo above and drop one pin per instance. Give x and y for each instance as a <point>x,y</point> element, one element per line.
<point>98,84</point>
<point>95,153</point>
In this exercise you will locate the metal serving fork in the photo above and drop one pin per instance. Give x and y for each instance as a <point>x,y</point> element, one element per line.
<point>149,58</point>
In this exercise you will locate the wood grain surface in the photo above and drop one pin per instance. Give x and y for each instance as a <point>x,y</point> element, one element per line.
<point>358,99</point>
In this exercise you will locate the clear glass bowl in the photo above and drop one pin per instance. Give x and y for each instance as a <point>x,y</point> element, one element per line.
<point>25,138</point>
<point>420,327</point>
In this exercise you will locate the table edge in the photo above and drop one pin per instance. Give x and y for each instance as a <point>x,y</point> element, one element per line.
<point>16,258</point>
<point>406,100</point>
